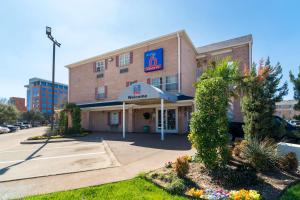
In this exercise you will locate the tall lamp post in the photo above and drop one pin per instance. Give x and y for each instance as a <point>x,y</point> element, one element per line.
<point>55,43</point>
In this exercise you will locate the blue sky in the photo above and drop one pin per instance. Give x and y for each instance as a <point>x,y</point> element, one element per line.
<point>87,28</point>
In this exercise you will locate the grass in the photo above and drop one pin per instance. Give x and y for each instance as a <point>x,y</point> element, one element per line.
<point>136,188</point>
<point>291,193</point>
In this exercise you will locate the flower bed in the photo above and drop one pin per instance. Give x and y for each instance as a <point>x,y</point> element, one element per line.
<point>220,194</point>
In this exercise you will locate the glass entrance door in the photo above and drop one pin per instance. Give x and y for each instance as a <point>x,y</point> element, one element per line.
<point>170,120</point>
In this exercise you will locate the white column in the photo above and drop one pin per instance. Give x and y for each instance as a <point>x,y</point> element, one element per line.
<point>162,136</point>
<point>123,120</point>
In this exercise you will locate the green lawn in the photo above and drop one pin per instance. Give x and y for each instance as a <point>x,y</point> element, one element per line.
<point>291,193</point>
<point>137,188</point>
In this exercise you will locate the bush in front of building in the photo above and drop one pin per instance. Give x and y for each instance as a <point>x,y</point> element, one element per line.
<point>288,162</point>
<point>181,166</point>
<point>262,89</point>
<point>262,155</point>
<point>209,123</point>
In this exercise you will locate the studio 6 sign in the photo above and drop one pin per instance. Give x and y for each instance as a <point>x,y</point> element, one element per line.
<point>153,60</point>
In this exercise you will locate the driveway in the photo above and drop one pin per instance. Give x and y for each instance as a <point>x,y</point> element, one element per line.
<point>96,159</point>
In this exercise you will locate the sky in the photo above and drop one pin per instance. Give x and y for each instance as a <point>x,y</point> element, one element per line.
<point>90,27</point>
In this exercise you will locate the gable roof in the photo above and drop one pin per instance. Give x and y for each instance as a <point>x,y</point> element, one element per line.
<point>225,44</point>
<point>182,33</point>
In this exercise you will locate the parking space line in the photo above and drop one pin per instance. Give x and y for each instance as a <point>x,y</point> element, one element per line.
<point>53,157</point>
<point>47,148</point>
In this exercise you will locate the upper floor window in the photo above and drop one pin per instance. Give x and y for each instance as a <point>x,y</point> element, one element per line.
<point>100,92</point>
<point>124,59</point>
<point>100,66</point>
<point>171,83</point>
<point>157,82</point>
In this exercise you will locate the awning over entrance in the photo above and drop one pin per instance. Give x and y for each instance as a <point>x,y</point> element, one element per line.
<point>142,91</point>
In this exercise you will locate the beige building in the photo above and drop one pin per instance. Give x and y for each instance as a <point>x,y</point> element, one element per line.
<point>285,109</point>
<point>126,89</point>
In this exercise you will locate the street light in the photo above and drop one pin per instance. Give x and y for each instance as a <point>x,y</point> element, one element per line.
<point>55,43</point>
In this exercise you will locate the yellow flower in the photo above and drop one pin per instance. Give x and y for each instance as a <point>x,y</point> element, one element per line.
<point>195,192</point>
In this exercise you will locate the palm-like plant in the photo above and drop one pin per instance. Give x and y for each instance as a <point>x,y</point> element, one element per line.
<point>262,155</point>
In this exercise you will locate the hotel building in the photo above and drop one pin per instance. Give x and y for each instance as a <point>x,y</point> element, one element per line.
<point>39,95</point>
<point>125,90</point>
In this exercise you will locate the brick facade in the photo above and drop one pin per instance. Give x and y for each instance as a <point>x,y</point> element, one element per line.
<point>83,81</point>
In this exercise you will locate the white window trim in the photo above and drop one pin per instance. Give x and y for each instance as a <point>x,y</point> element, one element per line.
<point>124,59</point>
<point>156,120</point>
<point>166,83</point>
<point>100,66</point>
<point>101,94</point>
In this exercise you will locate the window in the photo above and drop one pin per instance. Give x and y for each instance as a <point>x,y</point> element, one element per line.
<point>124,59</point>
<point>157,82</point>
<point>100,92</point>
<point>100,66</point>
<point>114,118</point>
<point>171,83</point>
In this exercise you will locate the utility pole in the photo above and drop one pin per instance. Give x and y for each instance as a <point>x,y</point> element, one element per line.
<point>55,43</point>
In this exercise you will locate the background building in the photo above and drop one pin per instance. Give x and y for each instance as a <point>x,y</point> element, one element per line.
<point>285,109</point>
<point>19,103</point>
<point>39,95</point>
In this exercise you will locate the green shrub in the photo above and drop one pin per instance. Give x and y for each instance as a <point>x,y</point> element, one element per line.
<point>176,186</point>
<point>262,155</point>
<point>181,166</point>
<point>209,123</point>
<point>288,162</point>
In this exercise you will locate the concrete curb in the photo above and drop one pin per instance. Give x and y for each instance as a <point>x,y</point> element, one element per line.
<point>113,158</point>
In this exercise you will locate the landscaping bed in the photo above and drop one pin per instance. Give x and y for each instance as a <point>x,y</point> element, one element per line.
<point>234,177</point>
<point>43,137</point>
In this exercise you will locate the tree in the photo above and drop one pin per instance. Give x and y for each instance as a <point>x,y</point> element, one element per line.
<point>209,123</point>
<point>296,83</point>
<point>62,123</point>
<point>261,91</point>
<point>32,116</point>
<point>75,112</point>
<point>8,112</point>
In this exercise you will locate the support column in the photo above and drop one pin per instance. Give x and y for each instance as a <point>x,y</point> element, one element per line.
<point>124,120</point>
<point>130,119</point>
<point>162,136</point>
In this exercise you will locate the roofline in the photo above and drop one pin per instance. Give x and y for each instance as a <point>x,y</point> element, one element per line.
<point>134,46</point>
<point>230,46</point>
<point>40,79</point>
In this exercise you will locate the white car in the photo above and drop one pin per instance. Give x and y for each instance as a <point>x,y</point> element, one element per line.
<point>4,129</point>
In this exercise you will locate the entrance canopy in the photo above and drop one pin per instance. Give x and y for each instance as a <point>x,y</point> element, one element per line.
<point>139,92</point>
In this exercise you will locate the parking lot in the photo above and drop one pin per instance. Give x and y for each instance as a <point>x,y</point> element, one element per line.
<point>58,156</point>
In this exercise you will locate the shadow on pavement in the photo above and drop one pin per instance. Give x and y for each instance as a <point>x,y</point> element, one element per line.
<point>31,156</point>
<point>150,140</point>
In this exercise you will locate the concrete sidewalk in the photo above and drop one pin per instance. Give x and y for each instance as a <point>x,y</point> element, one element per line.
<point>137,153</point>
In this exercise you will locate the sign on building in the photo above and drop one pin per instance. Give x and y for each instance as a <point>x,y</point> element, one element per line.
<point>153,60</point>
